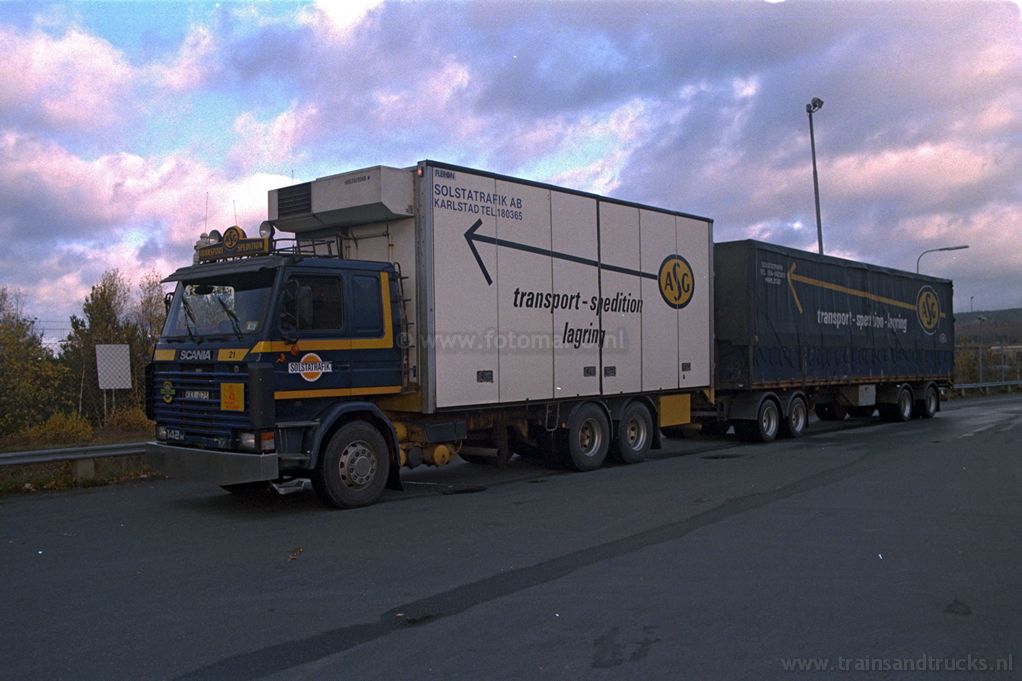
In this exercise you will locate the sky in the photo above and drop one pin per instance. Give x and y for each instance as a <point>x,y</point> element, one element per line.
<point>128,128</point>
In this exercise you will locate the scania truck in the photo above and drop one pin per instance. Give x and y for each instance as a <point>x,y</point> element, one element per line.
<point>390,317</point>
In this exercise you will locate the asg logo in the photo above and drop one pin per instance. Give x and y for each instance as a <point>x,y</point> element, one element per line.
<point>928,309</point>
<point>677,283</point>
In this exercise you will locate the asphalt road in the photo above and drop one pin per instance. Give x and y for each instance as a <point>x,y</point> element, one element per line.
<point>862,546</point>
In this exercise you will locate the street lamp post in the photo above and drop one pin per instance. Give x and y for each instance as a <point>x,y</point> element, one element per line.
<point>934,250</point>
<point>981,320</point>
<point>812,107</point>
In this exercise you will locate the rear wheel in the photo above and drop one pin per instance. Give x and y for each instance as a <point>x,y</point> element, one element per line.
<point>352,470</point>
<point>901,410</point>
<point>588,438</point>
<point>797,419</point>
<point>634,434</point>
<point>930,404</point>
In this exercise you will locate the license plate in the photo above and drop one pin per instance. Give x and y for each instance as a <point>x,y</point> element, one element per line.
<point>196,394</point>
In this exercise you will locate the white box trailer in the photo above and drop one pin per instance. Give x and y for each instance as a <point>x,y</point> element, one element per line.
<point>518,291</point>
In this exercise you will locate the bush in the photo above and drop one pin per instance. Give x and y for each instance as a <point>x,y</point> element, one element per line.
<point>59,429</point>
<point>129,420</point>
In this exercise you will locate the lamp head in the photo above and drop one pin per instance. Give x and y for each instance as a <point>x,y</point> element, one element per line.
<point>814,105</point>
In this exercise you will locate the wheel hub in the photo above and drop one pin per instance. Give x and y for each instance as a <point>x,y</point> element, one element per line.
<point>358,466</point>
<point>589,437</point>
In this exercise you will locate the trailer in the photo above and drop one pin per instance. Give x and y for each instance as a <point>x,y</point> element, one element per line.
<point>390,317</point>
<point>796,331</point>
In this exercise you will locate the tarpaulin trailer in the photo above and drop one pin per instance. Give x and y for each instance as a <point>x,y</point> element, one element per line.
<point>796,331</point>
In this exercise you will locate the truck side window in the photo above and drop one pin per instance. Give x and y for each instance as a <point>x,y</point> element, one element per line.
<point>368,310</point>
<point>313,304</point>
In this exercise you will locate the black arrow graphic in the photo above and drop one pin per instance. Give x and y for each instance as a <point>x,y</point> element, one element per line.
<point>471,237</point>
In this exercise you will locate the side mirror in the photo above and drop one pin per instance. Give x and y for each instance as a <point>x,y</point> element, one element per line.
<point>167,298</point>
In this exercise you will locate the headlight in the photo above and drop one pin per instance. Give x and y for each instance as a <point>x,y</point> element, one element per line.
<point>161,432</point>
<point>247,441</point>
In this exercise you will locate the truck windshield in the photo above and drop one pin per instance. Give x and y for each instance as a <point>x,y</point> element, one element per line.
<point>221,307</point>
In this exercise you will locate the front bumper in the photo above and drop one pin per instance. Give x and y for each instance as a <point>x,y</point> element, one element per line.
<point>210,465</point>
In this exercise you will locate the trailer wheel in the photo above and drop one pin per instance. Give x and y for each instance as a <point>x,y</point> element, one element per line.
<point>765,427</point>
<point>588,438</point>
<point>797,419</point>
<point>352,470</point>
<point>930,404</point>
<point>901,410</point>
<point>634,434</point>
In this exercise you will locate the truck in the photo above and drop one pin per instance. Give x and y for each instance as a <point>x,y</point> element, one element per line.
<point>413,314</point>
<point>393,317</point>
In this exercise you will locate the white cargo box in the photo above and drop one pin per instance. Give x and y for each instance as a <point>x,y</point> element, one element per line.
<point>520,291</point>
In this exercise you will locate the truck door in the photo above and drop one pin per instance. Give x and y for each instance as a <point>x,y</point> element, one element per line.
<point>338,329</point>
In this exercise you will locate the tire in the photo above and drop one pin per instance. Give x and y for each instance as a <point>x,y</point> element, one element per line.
<point>588,438</point>
<point>901,410</point>
<point>930,404</point>
<point>766,426</point>
<point>797,419</point>
<point>634,434</point>
<point>861,412</point>
<point>353,468</point>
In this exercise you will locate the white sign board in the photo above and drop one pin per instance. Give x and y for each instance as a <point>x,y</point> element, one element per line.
<point>113,367</point>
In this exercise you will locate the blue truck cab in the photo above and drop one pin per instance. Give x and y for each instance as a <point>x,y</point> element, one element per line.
<point>269,349</point>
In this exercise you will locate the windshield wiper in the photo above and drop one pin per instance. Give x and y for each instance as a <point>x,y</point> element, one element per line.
<point>233,317</point>
<point>190,314</point>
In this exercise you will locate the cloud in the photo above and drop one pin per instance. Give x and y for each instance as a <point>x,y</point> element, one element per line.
<point>75,80</point>
<point>65,219</point>
<point>696,107</point>
<point>272,144</point>
<point>337,20</point>
<point>195,63</point>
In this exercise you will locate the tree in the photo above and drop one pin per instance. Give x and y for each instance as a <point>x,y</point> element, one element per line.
<point>104,321</point>
<point>112,315</point>
<point>147,315</point>
<point>30,376</point>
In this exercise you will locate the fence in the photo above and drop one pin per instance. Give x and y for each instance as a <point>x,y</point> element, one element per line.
<point>988,367</point>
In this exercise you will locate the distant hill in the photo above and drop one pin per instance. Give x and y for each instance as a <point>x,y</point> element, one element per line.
<point>996,326</point>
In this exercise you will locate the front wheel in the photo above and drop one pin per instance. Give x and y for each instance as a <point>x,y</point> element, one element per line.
<point>352,470</point>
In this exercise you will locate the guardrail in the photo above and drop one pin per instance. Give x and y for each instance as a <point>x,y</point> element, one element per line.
<point>987,384</point>
<point>70,453</point>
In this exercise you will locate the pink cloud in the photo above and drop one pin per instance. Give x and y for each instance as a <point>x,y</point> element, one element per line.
<point>72,81</point>
<point>272,143</point>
